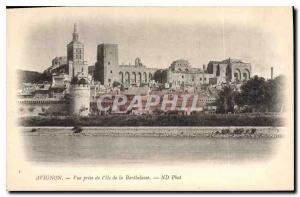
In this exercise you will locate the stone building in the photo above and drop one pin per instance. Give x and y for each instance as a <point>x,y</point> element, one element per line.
<point>58,61</point>
<point>72,78</point>
<point>36,107</point>
<point>180,73</point>
<point>80,95</point>
<point>59,86</point>
<point>59,65</point>
<point>79,89</point>
<point>229,70</point>
<point>75,56</point>
<point>107,68</point>
<point>91,70</point>
<point>69,76</point>
<point>74,62</point>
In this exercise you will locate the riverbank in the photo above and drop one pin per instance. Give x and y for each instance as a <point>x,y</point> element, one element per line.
<point>214,132</point>
<point>196,120</point>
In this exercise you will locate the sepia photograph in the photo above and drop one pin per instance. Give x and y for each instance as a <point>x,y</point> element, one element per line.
<point>150,99</point>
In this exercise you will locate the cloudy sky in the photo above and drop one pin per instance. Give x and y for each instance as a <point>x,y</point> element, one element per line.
<point>261,36</point>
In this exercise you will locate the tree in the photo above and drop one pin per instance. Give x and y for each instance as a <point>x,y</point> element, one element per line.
<point>225,101</point>
<point>160,76</point>
<point>276,89</point>
<point>255,93</point>
<point>261,95</point>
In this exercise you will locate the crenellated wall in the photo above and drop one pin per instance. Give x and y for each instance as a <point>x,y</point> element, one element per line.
<point>36,107</point>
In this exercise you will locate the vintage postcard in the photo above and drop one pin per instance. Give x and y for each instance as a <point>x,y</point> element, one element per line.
<point>150,99</point>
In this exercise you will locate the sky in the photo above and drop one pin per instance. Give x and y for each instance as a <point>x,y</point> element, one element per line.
<point>158,35</point>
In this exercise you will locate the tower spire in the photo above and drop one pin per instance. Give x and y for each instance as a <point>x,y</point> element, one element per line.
<point>75,34</point>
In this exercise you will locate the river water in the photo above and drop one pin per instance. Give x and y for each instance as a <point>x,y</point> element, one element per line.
<point>54,147</point>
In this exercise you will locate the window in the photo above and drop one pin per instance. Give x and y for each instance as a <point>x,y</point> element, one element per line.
<point>200,78</point>
<point>111,71</point>
<point>108,63</point>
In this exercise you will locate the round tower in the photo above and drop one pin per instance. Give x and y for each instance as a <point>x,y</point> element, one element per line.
<point>80,96</point>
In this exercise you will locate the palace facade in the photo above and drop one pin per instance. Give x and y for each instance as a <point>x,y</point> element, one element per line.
<point>107,69</point>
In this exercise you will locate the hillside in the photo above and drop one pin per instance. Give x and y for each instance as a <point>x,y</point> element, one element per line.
<point>25,76</point>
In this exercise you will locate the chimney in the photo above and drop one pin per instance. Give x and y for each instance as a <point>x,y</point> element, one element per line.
<point>271,72</point>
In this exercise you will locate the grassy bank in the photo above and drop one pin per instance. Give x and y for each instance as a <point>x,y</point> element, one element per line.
<point>157,120</point>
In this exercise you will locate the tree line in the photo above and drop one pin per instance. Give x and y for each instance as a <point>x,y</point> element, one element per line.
<point>255,95</point>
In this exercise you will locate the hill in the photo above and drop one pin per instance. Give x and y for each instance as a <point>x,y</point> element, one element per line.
<point>26,76</point>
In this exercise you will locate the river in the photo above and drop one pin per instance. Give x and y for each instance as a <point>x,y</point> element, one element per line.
<point>54,146</point>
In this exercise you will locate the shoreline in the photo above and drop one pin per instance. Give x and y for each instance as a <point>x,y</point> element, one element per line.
<point>213,132</point>
<point>172,120</point>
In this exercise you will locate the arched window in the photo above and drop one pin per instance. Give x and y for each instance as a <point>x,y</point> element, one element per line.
<point>121,77</point>
<point>127,78</point>
<point>246,74</point>
<point>218,70</point>
<point>133,77</point>
<point>237,74</point>
<point>139,79</point>
<point>150,76</point>
<point>145,77</point>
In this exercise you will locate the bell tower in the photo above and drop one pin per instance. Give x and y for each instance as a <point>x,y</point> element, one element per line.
<point>75,34</point>
<point>75,55</point>
<point>75,48</point>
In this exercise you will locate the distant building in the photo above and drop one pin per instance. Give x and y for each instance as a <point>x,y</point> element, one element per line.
<point>59,87</point>
<point>229,70</point>
<point>108,70</point>
<point>74,62</point>
<point>180,74</point>
<point>80,95</point>
<point>58,61</point>
<point>75,56</point>
<point>59,65</point>
<point>42,91</point>
<point>76,86</point>
<point>91,70</point>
